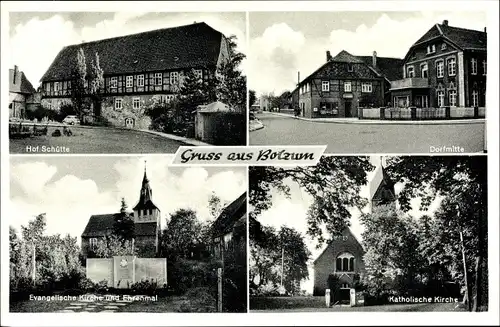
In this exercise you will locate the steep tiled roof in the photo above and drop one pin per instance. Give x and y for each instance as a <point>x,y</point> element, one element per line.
<point>21,84</point>
<point>195,45</point>
<point>102,225</point>
<point>463,38</point>
<point>230,215</point>
<point>391,68</point>
<point>345,56</point>
<point>99,225</point>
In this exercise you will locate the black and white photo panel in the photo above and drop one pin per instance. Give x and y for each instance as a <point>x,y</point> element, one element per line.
<point>347,80</point>
<point>126,234</point>
<point>390,233</point>
<point>126,82</point>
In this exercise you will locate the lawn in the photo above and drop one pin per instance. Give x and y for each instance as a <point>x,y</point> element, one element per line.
<point>317,304</point>
<point>95,140</point>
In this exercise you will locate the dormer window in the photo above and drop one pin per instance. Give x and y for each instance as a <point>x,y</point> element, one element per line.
<point>431,48</point>
<point>350,68</point>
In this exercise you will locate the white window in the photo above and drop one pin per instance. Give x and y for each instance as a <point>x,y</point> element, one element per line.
<point>452,67</point>
<point>308,87</point>
<point>431,48</point>
<point>475,98</point>
<point>484,67</point>
<point>114,82</point>
<point>136,103</point>
<point>410,72</point>
<point>443,46</point>
<point>140,80</point>
<point>198,73</point>
<point>47,87</point>
<point>118,104</point>
<point>440,68</point>
<point>93,243</point>
<point>366,87</point>
<point>347,87</point>
<point>130,81</point>
<point>174,77</point>
<point>158,78</point>
<point>452,98</point>
<point>424,70</point>
<point>474,66</point>
<point>169,97</point>
<point>440,98</point>
<point>325,86</point>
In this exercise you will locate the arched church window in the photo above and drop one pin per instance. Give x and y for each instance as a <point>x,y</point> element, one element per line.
<point>345,262</point>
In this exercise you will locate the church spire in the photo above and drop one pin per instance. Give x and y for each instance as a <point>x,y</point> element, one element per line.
<point>146,195</point>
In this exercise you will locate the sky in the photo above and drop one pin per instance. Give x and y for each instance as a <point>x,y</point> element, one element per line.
<point>71,189</point>
<point>284,43</point>
<point>37,37</point>
<point>292,212</point>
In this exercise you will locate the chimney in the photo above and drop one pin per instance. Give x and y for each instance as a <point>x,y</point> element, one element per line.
<point>374,59</point>
<point>445,22</point>
<point>485,30</point>
<point>16,72</point>
<point>328,56</point>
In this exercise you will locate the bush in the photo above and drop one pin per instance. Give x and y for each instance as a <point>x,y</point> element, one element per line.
<point>185,274</point>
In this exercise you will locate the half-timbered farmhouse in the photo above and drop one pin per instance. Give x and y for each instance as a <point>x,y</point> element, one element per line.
<point>138,69</point>
<point>345,83</point>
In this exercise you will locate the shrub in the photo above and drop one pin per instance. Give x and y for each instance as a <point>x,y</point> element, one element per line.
<point>185,274</point>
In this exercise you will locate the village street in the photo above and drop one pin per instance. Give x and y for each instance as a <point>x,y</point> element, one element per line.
<point>95,140</point>
<point>359,137</point>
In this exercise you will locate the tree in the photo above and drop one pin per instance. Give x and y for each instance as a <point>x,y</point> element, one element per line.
<point>78,83</point>
<point>96,83</point>
<point>462,184</point>
<point>112,245</point>
<point>231,83</point>
<point>334,183</point>
<point>124,226</point>
<point>183,236</point>
<point>281,257</point>
<point>251,97</point>
<point>392,260</point>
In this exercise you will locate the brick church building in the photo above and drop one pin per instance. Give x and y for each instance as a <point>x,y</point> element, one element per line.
<point>343,257</point>
<point>147,225</point>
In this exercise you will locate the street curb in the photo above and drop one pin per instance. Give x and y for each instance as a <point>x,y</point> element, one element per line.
<point>388,122</point>
<point>186,140</point>
<point>176,138</point>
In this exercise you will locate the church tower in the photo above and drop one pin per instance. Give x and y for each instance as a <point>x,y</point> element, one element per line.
<point>382,190</point>
<point>145,211</point>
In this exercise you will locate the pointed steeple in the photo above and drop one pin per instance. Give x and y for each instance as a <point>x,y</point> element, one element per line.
<point>146,196</point>
<point>382,187</point>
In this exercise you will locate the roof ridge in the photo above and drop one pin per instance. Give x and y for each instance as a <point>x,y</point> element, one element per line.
<point>463,29</point>
<point>137,34</point>
<point>439,29</point>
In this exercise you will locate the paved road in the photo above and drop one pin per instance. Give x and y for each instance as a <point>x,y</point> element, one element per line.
<point>367,138</point>
<point>97,140</point>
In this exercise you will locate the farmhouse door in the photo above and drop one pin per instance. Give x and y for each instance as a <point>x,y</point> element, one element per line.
<point>348,108</point>
<point>129,122</point>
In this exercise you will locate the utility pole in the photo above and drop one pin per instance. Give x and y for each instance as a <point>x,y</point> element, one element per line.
<point>34,263</point>
<point>467,286</point>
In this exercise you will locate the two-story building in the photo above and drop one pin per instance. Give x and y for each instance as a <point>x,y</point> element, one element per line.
<point>345,83</point>
<point>138,69</point>
<point>147,225</point>
<point>445,67</point>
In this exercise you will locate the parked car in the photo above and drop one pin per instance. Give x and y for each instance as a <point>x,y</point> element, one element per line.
<point>71,120</point>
